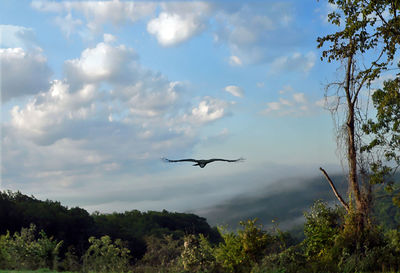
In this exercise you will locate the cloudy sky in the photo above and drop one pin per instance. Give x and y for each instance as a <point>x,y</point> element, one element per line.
<point>93,94</point>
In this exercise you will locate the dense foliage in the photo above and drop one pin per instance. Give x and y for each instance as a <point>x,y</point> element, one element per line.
<point>175,242</point>
<point>385,129</point>
<point>28,250</point>
<point>74,226</point>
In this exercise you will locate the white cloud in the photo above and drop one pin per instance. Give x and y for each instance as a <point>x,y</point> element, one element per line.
<point>294,105</point>
<point>97,13</point>
<point>96,128</point>
<point>171,29</point>
<point>235,61</point>
<point>209,109</point>
<point>49,115</point>
<point>296,62</point>
<point>249,29</point>
<point>150,98</point>
<point>103,62</point>
<point>109,38</point>
<point>67,24</point>
<point>23,73</point>
<point>235,90</point>
<point>178,22</point>
<point>299,98</point>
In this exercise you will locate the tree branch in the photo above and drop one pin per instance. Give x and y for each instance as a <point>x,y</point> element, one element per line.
<point>391,29</point>
<point>345,205</point>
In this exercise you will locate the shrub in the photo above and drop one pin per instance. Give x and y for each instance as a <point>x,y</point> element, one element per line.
<point>198,255</point>
<point>104,255</point>
<point>239,252</point>
<point>320,229</point>
<point>23,251</point>
<point>289,260</point>
<point>162,255</point>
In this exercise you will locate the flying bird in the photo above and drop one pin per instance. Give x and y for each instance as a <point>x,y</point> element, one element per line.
<point>202,162</point>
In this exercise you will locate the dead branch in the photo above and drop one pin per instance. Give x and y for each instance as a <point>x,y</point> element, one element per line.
<point>345,205</point>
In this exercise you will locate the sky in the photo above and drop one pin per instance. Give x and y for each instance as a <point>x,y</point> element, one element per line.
<point>94,94</point>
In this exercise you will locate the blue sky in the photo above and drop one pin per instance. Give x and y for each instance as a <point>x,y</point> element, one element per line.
<point>95,93</point>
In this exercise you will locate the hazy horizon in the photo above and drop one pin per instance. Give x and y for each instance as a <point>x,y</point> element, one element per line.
<point>94,94</point>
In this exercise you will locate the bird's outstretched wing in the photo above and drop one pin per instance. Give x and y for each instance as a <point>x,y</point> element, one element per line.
<point>227,160</point>
<point>179,160</point>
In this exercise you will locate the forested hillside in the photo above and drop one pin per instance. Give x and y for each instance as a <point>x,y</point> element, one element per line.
<point>45,234</point>
<point>75,225</point>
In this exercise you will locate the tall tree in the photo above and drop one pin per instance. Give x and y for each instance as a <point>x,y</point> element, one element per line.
<point>365,45</point>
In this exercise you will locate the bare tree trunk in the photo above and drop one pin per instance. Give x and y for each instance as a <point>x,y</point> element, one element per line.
<point>354,186</point>
<point>352,159</point>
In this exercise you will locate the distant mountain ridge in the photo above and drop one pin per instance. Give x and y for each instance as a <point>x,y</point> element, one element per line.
<point>284,202</point>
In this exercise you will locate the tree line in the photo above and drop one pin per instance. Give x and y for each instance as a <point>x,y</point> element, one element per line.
<point>74,226</point>
<point>169,242</point>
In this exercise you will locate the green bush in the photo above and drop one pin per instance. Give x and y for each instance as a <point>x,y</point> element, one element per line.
<point>104,255</point>
<point>239,252</point>
<point>24,251</point>
<point>320,229</point>
<point>290,260</point>
<point>198,255</point>
<point>162,255</point>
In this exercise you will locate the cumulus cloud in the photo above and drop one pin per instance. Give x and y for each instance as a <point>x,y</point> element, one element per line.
<point>96,13</point>
<point>23,73</point>
<point>50,115</point>
<point>296,62</point>
<point>89,127</point>
<point>209,109</point>
<point>150,98</point>
<point>178,22</point>
<point>103,62</point>
<point>235,90</point>
<point>247,29</point>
